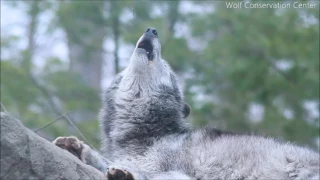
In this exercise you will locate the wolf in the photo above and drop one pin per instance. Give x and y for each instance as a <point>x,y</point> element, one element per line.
<point>145,136</point>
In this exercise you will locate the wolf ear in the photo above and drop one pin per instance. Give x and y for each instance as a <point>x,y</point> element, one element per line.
<point>186,110</point>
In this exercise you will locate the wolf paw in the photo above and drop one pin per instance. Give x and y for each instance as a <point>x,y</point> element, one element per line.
<point>119,174</point>
<point>71,144</point>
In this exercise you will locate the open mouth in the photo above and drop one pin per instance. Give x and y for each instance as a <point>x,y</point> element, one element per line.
<point>146,45</point>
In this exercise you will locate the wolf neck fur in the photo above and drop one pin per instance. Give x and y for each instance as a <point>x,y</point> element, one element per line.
<point>145,81</point>
<point>139,95</point>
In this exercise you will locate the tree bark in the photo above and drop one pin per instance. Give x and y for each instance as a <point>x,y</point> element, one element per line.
<point>115,13</point>
<point>85,32</point>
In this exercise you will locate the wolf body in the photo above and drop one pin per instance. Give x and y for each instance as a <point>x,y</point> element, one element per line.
<point>144,135</point>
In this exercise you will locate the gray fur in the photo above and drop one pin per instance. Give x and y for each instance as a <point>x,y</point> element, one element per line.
<point>144,132</point>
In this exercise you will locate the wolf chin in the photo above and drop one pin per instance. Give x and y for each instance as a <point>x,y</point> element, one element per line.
<point>144,135</point>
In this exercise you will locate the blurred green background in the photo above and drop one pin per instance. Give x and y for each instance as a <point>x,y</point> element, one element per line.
<point>241,69</point>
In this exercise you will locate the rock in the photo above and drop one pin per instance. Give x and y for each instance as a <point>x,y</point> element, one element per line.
<point>25,155</point>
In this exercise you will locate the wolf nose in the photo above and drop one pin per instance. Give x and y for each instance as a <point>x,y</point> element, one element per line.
<point>151,32</point>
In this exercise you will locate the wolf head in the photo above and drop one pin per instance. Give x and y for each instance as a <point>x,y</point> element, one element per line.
<point>144,102</point>
<point>146,63</point>
<point>148,72</point>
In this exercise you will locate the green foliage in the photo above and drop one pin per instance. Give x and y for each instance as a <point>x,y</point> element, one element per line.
<point>71,18</point>
<point>16,87</point>
<point>241,58</point>
<point>177,53</point>
<point>74,94</point>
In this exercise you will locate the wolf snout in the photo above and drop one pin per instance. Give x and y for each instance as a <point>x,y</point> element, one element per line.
<point>151,32</point>
<point>146,42</point>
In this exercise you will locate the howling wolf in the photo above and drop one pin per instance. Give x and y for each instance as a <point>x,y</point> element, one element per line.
<point>144,135</point>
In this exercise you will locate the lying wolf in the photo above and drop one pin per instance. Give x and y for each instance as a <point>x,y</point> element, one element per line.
<point>144,135</point>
